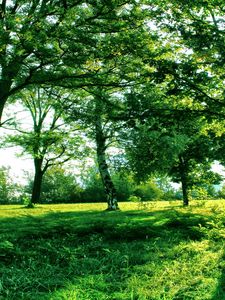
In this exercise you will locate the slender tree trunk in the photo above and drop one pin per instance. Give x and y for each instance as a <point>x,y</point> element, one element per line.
<point>184,181</point>
<point>36,190</point>
<point>109,187</point>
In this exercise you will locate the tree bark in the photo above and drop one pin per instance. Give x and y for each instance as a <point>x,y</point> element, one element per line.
<point>109,187</point>
<point>184,181</point>
<point>4,93</point>
<point>36,190</point>
<point>2,105</point>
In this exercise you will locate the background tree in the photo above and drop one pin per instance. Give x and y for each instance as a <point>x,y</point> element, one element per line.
<point>58,186</point>
<point>94,189</point>
<point>170,142</point>
<point>9,191</point>
<point>49,141</point>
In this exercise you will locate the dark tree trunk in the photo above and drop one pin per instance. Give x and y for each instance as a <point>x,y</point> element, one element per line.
<point>4,93</point>
<point>36,190</point>
<point>184,181</point>
<point>2,105</point>
<point>109,187</point>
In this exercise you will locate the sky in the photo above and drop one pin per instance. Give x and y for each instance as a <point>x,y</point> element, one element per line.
<point>21,165</point>
<point>18,165</point>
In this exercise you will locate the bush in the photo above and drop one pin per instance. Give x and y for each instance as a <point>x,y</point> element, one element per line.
<point>134,199</point>
<point>199,193</point>
<point>94,189</point>
<point>125,186</point>
<point>148,191</point>
<point>221,192</point>
<point>58,186</point>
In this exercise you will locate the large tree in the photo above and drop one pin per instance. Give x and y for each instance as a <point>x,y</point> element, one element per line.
<point>62,42</point>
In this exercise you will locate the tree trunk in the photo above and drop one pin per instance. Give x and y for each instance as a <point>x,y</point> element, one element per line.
<point>109,187</point>
<point>4,92</point>
<point>2,105</point>
<point>184,181</point>
<point>36,190</point>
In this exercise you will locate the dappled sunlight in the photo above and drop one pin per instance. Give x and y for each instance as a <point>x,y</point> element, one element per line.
<point>169,253</point>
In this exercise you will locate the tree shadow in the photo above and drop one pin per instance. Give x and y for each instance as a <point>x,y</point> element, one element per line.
<point>48,251</point>
<point>220,289</point>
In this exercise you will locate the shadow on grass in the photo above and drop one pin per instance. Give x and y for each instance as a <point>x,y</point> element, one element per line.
<point>131,225</point>
<point>220,289</point>
<point>42,255</point>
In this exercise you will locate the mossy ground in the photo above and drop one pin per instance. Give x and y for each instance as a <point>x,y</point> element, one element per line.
<point>157,250</point>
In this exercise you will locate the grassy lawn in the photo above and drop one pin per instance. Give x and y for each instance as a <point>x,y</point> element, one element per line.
<point>80,252</point>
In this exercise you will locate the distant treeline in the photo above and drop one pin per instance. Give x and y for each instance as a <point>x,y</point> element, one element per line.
<point>60,186</point>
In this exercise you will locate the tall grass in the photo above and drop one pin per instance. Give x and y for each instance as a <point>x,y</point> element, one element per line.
<point>81,252</point>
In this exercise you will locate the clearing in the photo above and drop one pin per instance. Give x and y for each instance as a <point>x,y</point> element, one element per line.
<point>156,250</point>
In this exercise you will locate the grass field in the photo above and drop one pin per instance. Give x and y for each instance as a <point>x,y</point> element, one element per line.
<point>158,251</point>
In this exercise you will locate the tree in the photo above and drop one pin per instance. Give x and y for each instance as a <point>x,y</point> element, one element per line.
<point>61,42</point>
<point>58,186</point>
<point>194,31</point>
<point>7,187</point>
<point>193,168</point>
<point>43,43</point>
<point>173,143</point>
<point>93,114</point>
<point>50,141</point>
<point>189,74</point>
<point>101,144</point>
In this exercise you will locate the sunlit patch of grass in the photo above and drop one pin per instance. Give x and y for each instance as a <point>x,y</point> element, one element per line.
<point>81,252</point>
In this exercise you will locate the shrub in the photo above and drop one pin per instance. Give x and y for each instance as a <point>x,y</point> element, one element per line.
<point>148,191</point>
<point>58,186</point>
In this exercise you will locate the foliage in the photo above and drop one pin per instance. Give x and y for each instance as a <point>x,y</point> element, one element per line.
<point>172,144</point>
<point>194,31</point>
<point>156,69</point>
<point>44,136</point>
<point>148,191</point>
<point>221,192</point>
<point>93,187</point>
<point>204,191</point>
<point>94,190</point>
<point>125,185</point>
<point>41,44</point>
<point>59,186</point>
<point>9,191</point>
<point>127,188</point>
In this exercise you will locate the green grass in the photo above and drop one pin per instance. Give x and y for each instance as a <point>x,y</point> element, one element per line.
<point>154,251</point>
